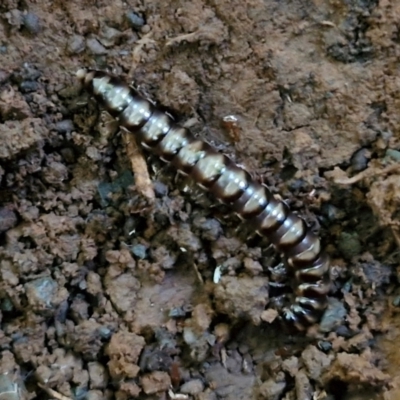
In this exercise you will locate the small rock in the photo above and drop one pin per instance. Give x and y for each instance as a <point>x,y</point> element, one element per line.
<point>272,390</point>
<point>155,360</point>
<point>98,375</point>
<point>332,212</point>
<point>55,173</point>
<point>160,189</point>
<point>14,18</point>
<point>349,244</point>
<point>316,362</point>
<point>8,219</point>
<point>211,228</point>
<point>94,395</point>
<point>253,267</point>
<point>155,382</point>
<point>359,160</point>
<point>127,390</point>
<point>139,250</point>
<point>109,36</point>
<point>28,86</point>
<point>164,257</point>
<point>41,293</point>
<point>333,316</point>
<point>4,75</point>
<point>395,302</point>
<point>135,20</point>
<point>64,126</point>
<point>325,346</point>
<point>31,22</point>
<point>96,47</point>
<point>303,386</point>
<point>76,44</point>
<point>124,350</point>
<point>195,386</point>
<point>145,29</point>
<point>10,389</point>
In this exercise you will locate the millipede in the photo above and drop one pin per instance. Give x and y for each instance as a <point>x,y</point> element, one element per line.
<point>158,133</point>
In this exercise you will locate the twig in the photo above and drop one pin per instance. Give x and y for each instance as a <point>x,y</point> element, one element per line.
<point>143,182</point>
<point>367,173</point>
<point>138,51</point>
<point>53,393</point>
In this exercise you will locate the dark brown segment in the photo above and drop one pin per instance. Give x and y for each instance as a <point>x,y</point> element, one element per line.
<point>189,155</point>
<point>290,233</point>
<point>231,184</point>
<point>117,97</point>
<point>136,114</point>
<point>305,252</point>
<point>252,202</point>
<point>313,290</point>
<point>210,168</point>
<point>311,303</point>
<point>271,217</point>
<point>320,267</point>
<point>155,129</point>
<point>170,145</point>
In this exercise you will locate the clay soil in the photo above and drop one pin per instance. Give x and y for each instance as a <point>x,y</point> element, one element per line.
<point>120,279</point>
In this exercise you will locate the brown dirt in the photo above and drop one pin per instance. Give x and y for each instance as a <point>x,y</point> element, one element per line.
<point>107,294</point>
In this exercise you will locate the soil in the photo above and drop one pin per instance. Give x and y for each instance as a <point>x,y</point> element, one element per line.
<point>107,290</point>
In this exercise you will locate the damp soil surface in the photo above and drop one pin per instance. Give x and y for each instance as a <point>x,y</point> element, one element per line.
<point>120,279</point>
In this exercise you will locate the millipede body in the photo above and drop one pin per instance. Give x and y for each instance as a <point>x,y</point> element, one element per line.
<point>250,200</point>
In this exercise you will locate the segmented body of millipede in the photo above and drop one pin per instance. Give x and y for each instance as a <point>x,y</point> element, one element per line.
<point>250,200</point>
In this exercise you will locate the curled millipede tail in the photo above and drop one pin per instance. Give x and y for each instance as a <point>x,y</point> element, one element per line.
<point>252,201</point>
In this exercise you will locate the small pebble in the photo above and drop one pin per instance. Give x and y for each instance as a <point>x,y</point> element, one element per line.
<point>211,228</point>
<point>64,126</point>
<point>145,29</point>
<point>79,392</point>
<point>109,36</point>
<point>8,219</point>
<point>359,160</point>
<point>344,331</point>
<point>27,73</point>
<point>54,173</point>
<point>104,332</point>
<point>31,22</point>
<point>75,44</point>
<point>160,189</point>
<point>98,375</point>
<point>135,20</point>
<point>177,312</point>
<point>332,212</point>
<point>96,47</point>
<point>349,244</point>
<point>393,154</point>
<point>192,387</point>
<point>10,389</point>
<point>4,75</point>
<point>94,395</point>
<point>396,301</point>
<point>325,346</point>
<point>139,250</point>
<point>333,316</point>
<point>6,305</point>
<point>28,86</point>
<point>40,292</point>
